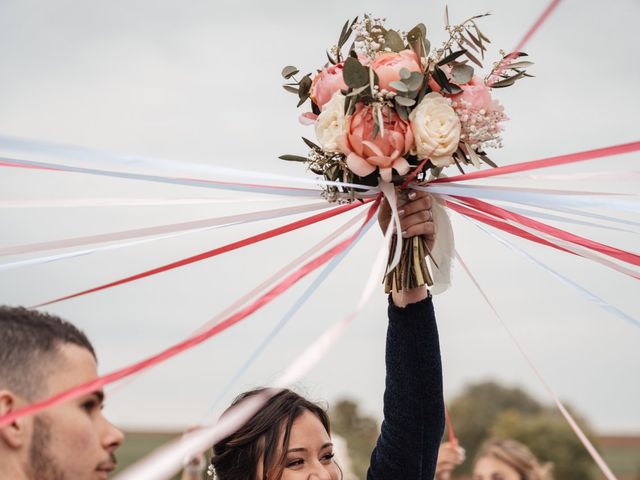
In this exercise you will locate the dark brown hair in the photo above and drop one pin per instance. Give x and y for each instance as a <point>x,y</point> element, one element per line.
<point>236,457</point>
<point>28,341</point>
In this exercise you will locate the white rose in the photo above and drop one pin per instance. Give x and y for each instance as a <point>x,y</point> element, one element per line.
<point>436,129</point>
<point>330,124</point>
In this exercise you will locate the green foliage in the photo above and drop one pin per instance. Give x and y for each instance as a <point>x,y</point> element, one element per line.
<point>550,439</point>
<point>360,432</point>
<point>488,410</point>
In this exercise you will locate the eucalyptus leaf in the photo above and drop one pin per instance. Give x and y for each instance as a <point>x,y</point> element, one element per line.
<point>293,158</point>
<point>414,82</point>
<point>451,57</point>
<point>523,64</point>
<point>289,71</point>
<point>399,86</point>
<point>393,40</point>
<point>354,73</point>
<point>404,73</point>
<point>462,73</point>
<point>290,89</point>
<point>402,112</point>
<point>404,101</point>
<point>503,83</point>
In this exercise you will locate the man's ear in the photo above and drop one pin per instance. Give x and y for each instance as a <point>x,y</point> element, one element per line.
<point>15,434</point>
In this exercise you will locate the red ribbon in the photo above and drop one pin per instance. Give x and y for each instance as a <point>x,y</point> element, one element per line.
<point>498,212</point>
<point>216,251</point>
<point>546,162</point>
<point>194,340</point>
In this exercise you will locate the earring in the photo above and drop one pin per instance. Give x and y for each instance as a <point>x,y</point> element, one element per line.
<point>211,472</point>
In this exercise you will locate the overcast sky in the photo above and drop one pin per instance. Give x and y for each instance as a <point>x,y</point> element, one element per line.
<point>199,81</point>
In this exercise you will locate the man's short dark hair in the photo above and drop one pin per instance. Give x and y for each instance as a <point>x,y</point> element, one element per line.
<point>29,341</point>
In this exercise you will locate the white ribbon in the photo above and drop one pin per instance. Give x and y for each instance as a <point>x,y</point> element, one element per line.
<point>161,229</point>
<point>443,247</point>
<point>389,191</point>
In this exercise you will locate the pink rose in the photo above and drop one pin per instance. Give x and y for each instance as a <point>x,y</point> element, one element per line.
<point>475,95</point>
<point>388,65</point>
<point>365,154</point>
<point>326,83</point>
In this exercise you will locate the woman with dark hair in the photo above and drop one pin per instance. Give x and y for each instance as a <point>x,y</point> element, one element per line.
<point>289,438</point>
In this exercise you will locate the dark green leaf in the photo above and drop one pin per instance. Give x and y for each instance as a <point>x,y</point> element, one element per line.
<point>462,73</point>
<point>473,59</point>
<point>376,129</point>
<point>458,164</point>
<point>404,101</point>
<point>475,39</point>
<point>503,83</point>
<point>343,34</point>
<point>451,57</point>
<point>446,15</point>
<point>310,144</point>
<point>399,86</point>
<point>302,100</point>
<point>293,158</point>
<point>393,40</point>
<point>471,44</point>
<point>332,61</point>
<point>355,74</point>
<point>290,89</point>
<point>416,39</point>
<point>357,91</point>
<point>486,160</point>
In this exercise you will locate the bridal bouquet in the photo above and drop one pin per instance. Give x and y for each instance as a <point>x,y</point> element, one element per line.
<point>394,110</point>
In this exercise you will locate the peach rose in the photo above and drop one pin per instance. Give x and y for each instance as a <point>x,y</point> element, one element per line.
<point>326,83</point>
<point>365,154</point>
<point>387,66</point>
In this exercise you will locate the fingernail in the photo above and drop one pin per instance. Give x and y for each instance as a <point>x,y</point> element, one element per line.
<point>401,212</point>
<point>404,233</point>
<point>412,195</point>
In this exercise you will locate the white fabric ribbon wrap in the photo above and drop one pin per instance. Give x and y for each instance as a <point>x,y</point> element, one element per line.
<point>443,247</point>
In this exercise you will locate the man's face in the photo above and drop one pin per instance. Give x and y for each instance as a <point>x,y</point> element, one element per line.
<point>73,440</point>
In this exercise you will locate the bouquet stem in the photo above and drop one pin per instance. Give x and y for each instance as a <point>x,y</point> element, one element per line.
<point>412,271</point>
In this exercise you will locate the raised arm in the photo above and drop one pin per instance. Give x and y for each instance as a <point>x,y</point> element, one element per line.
<point>413,422</point>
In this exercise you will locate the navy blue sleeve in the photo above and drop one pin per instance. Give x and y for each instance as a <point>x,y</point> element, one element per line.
<point>407,448</point>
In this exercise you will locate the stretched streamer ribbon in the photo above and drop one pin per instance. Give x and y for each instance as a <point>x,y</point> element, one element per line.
<point>534,28</point>
<point>558,218</point>
<point>190,182</point>
<point>87,155</point>
<point>498,212</point>
<point>124,202</point>
<point>231,221</point>
<point>591,297</point>
<point>533,198</point>
<point>165,461</point>
<point>296,263</point>
<point>212,253</point>
<point>161,229</point>
<point>544,163</point>
<point>192,341</point>
<point>565,413</point>
<point>539,237</point>
<point>286,318</point>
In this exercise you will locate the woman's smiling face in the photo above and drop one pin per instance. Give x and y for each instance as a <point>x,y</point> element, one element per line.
<point>309,455</point>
